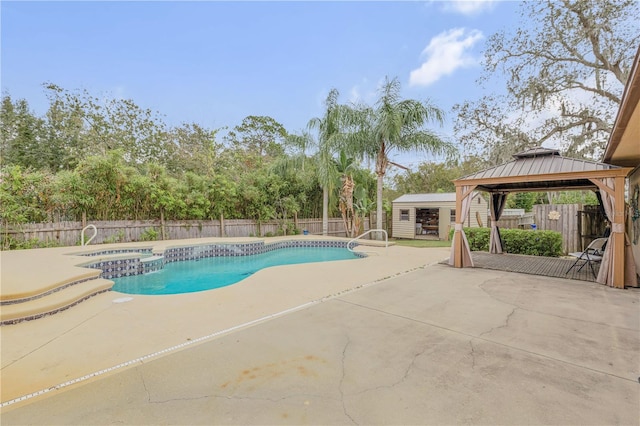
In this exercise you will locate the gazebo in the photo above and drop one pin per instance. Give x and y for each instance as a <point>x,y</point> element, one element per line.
<point>542,169</point>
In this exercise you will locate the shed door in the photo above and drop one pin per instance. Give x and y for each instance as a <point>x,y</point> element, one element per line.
<point>427,221</point>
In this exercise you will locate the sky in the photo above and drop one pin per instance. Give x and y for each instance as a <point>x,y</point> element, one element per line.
<point>216,62</point>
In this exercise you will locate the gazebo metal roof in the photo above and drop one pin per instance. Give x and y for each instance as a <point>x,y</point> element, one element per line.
<point>539,169</point>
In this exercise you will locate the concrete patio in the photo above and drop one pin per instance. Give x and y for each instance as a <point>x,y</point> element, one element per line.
<point>430,345</point>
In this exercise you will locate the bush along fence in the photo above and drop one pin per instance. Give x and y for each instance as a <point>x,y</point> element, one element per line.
<point>518,241</point>
<point>562,218</point>
<point>34,235</point>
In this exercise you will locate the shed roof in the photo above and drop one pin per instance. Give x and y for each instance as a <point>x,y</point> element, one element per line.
<point>435,197</point>
<point>427,198</point>
<point>537,169</point>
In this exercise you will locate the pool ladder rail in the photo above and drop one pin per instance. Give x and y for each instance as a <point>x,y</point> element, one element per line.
<point>386,241</point>
<point>95,232</point>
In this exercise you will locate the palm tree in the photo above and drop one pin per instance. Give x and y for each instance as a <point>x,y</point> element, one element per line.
<point>330,139</point>
<point>396,124</point>
<point>345,166</point>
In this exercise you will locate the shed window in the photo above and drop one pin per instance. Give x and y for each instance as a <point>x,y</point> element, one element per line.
<point>404,215</point>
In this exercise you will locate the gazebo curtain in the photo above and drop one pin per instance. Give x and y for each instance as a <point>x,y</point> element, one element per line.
<point>605,275</point>
<point>496,206</point>
<point>461,216</point>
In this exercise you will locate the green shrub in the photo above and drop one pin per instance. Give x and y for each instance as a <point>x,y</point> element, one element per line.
<point>149,234</point>
<point>478,238</point>
<point>517,241</point>
<point>114,238</point>
<point>535,243</point>
<point>10,243</point>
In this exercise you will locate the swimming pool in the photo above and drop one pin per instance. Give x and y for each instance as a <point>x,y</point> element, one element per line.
<point>220,271</point>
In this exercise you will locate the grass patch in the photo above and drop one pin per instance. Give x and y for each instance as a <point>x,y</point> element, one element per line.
<point>422,243</point>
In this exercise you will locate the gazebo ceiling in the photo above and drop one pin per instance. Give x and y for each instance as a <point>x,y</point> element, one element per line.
<point>541,169</point>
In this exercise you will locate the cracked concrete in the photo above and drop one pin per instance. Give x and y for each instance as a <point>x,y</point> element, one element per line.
<point>434,346</point>
<point>340,387</point>
<point>506,324</point>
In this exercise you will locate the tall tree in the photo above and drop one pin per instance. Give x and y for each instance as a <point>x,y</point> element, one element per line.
<point>193,148</point>
<point>565,68</point>
<point>84,125</point>
<point>399,125</point>
<point>330,137</point>
<point>22,136</point>
<point>258,135</point>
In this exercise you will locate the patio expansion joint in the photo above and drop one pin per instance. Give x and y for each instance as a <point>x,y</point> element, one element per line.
<point>488,340</point>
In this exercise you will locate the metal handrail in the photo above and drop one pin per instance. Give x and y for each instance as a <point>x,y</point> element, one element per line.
<point>386,240</point>
<point>95,232</point>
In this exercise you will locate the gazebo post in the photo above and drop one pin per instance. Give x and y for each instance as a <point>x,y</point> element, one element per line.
<point>617,225</point>
<point>457,236</point>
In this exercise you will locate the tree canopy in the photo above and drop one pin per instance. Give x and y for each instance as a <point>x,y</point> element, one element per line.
<point>109,159</point>
<point>564,69</point>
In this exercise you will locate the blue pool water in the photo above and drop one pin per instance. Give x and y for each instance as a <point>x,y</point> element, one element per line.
<point>214,272</point>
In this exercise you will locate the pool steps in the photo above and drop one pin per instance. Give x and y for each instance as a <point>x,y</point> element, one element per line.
<point>53,302</point>
<point>64,295</point>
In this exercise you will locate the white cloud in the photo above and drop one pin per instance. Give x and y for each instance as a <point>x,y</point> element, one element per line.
<point>468,7</point>
<point>445,53</point>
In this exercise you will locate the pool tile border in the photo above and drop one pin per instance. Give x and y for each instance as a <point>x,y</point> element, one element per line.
<point>118,268</point>
<point>54,311</point>
<point>48,292</point>
<point>115,251</point>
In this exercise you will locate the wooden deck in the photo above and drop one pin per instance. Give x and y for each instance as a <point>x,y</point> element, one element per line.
<point>534,265</point>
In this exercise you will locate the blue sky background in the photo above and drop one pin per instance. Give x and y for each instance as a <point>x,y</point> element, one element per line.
<point>215,63</point>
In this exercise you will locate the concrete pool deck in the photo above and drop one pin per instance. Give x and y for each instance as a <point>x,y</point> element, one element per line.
<point>98,333</point>
<point>394,338</point>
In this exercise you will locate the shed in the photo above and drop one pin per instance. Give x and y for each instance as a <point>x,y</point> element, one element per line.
<point>431,216</point>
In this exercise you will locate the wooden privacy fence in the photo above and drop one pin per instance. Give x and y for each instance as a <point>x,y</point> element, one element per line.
<point>68,233</point>
<point>562,218</point>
